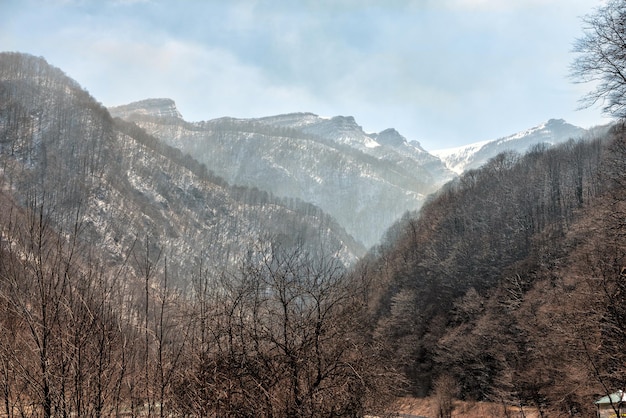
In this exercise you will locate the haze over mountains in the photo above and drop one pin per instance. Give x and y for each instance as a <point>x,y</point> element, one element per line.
<point>293,163</point>
<point>364,180</point>
<point>300,165</point>
<point>61,149</point>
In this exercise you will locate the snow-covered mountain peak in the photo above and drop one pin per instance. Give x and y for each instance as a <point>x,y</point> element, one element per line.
<point>547,129</point>
<point>555,123</point>
<point>341,129</point>
<point>162,108</point>
<point>553,131</point>
<point>474,155</point>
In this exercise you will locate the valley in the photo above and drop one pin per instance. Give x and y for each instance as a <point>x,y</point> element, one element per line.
<point>295,265</point>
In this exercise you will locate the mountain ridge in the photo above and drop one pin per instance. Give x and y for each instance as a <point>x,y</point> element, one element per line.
<point>59,146</point>
<point>290,142</point>
<point>457,159</point>
<point>474,155</point>
<point>365,181</point>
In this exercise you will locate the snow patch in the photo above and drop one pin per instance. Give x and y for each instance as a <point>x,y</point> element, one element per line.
<point>370,143</point>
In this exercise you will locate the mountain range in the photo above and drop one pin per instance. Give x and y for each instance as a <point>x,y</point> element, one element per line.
<point>63,155</point>
<point>157,265</point>
<point>144,171</point>
<point>366,181</point>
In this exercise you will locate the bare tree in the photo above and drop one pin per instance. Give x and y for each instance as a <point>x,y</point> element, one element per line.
<point>445,391</point>
<point>285,338</point>
<point>602,58</point>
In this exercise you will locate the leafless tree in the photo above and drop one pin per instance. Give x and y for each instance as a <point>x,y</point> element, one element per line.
<point>601,58</point>
<point>285,338</point>
<point>445,392</point>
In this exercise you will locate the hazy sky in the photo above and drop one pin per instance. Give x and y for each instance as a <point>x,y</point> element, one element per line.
<point>443,72</point>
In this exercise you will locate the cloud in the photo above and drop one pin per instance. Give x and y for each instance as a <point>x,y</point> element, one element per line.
<point>503,6</point>
<point>205,82</point>
<point>443,69</point>
<point>127,2</point>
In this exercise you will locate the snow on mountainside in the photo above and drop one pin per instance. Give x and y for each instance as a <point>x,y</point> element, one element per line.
<point>345,130</point>
<point>364,180</point>
<point>474,155</point>
<point>128,190</point>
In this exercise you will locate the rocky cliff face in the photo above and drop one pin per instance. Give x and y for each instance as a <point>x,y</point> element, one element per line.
<point>365,181</point>
<point>161,108</point>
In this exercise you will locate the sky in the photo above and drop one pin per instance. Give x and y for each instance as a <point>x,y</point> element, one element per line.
<point>443,72</point>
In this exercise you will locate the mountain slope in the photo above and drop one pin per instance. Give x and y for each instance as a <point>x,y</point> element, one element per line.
<point>464,269</point>
<point>124,190</point>
<point>365,181</point>
<point>474,155</point>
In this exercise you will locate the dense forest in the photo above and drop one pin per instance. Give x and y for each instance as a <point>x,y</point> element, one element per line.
<point>509,280</point>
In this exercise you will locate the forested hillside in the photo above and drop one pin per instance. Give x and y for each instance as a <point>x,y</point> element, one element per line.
<point>61,151</point>
<point>508,284</point>
<point>133,282</point>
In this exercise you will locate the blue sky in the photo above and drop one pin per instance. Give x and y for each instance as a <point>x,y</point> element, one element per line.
<point>443,72</point>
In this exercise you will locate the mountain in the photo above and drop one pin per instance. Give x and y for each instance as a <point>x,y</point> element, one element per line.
<point>133,281</point>
<point>474,155</point>
<point>507,286</point>
<point>62,154</point>
<point>506,276</point>
<point>364,180</point>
